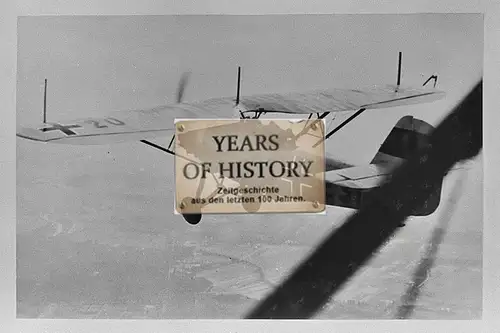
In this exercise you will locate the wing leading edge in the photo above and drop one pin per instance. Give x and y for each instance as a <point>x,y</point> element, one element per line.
<point>159,122</point>
<point>338,100</point>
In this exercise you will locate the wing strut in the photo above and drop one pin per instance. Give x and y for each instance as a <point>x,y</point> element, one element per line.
<point>307,126</point>
<point>154,145</point>
<point>201,185</point>
<point>167,150</point>
<point>171,142</point>
<point>345,122</point>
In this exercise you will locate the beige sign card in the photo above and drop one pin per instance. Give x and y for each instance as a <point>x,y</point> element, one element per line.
<point>250,166</point>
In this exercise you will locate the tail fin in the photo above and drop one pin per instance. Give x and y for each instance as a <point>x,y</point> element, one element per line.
<point>408,135</point>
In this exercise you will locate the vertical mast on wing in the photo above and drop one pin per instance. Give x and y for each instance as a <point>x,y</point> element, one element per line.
<point>399,72</point>
<point>238,110</point>
<point>241,111</point>
<point>433,77</point>
<point>45,102</point>
<point>238,86</point>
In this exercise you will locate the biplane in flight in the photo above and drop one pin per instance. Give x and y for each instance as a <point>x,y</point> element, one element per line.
<point>345,184</point>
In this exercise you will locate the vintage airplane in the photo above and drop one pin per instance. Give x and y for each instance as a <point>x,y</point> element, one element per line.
<point>345,184</point>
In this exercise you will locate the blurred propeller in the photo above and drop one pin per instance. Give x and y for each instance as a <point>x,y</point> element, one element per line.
<point>182,86</point>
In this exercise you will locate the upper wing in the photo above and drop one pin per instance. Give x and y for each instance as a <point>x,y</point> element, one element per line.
<point>157,122</point>
<point>125,125</point>
<point>336,100</point>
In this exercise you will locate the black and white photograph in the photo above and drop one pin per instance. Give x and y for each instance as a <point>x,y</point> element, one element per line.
<point>97,232</point>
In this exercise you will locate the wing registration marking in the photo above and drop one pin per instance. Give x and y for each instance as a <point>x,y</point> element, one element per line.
<point>66,129</point>
<point>98,123</point>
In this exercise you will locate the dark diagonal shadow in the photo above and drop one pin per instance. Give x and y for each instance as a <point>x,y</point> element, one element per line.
<point>349,247</point>
<point>421,274</point>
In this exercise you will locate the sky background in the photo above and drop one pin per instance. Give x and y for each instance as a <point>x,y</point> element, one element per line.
<point>120,193</point>
<point>95,65</point>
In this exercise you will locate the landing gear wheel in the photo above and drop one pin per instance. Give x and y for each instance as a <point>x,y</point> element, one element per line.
<point>192,218</point>
<point>251,207</point>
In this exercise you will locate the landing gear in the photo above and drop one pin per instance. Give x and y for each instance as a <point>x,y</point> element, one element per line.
<point>192,219</point>
<point>251,207</point>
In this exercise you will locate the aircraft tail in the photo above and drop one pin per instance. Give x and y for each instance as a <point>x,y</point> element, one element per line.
<point>406,137</point>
